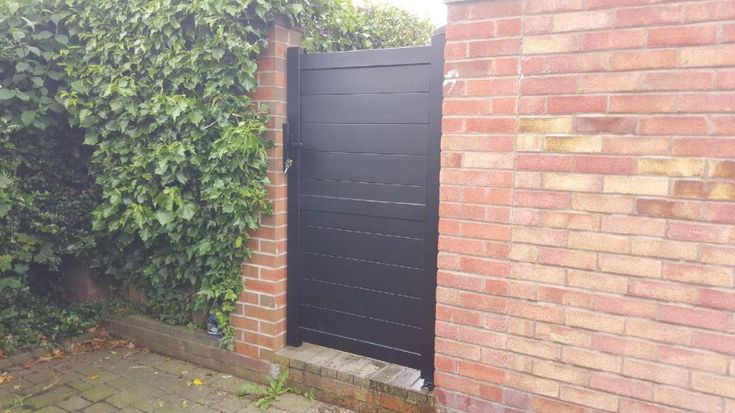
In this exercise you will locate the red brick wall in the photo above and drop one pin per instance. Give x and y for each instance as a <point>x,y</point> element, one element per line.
<point>260,318</point>
<point>587,241</point>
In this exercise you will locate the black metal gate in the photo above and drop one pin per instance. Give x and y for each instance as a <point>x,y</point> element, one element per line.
<point>362,154</point>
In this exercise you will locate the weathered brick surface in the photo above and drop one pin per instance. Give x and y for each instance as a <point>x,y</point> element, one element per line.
<point>587,216</point>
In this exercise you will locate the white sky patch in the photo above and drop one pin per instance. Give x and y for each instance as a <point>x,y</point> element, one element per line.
<point>435,10</point>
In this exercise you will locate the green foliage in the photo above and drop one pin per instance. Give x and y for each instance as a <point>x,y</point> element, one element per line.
<point>127,136</point>
<point>30,319</point>
<point>335,25</point>
<point>267,395</point>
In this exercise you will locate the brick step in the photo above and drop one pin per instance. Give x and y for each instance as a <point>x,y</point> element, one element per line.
<point>359,383</point>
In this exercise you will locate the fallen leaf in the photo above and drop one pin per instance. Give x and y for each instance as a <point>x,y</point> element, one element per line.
<point>93,377</point>
<point>196,382</point>
<point>6,378</point>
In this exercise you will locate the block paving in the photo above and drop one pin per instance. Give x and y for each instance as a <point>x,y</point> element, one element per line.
<point>132,380</point>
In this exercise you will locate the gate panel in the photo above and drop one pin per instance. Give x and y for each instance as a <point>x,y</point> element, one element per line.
<point>363,140</point>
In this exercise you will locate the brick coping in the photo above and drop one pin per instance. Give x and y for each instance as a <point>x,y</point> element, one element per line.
<point>316,366</point>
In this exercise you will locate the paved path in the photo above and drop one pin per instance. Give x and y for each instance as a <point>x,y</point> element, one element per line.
<point>129,380</point>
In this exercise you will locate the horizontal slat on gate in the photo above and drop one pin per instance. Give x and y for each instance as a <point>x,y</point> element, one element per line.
<point>392,139</point>
<point>361,328</point>
<point>377,248</point>
<point>381,277</point>
<point>386,169</point>
<point>389,79</point>
<point>393,308</point>
<point>363,207</point>
<point>368,108</point>
<point>361,190</point>
<point>362,58</point>
<point>377,225</point>
<point>391,355</point>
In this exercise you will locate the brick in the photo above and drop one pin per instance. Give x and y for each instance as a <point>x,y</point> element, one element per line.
<point>567,258</point>
<point>686,399</point>
<point>570,220</point>
<point>649,59</point>
<point>539,236</point>
<point>625,306</point>
<point>637,185</point>
<point>620,264</point>
<point>603,203</point>
<point>610,82</point>
<point>723,125</point>
<point>694,317</point>
<point>573,144</point>
<point>621,386</point>
<point>703,147</point>
<point>487,160</point>
<point>545,125</point>
<point>682,36</point>
<point>576,104</point>
<point>724,191</point>
<point>655,372</point>
<point>560,372</point>
<point>617,39</point>
<point>679,80</point>
<point>723,255</point>
<point>671,167</point>
<point>642,103</point>
<point>606,124</point>
<point>720,212</point>
<point>544,163</point>
<point>651,330</point>
<point>546,313</point>
<point>480,371</point>
<point>707,383</point>
<point>563,335</point>
<point>554,6</point>
<point>598,400</point>
<point>708,102</point>
<point>710,56</point>
<point>694,359</point>
<point>598,281</point>
<point>542,405</point>
<point>548,85</point>
<point>592,20</point>
<point>635,146</point>
<point>591,359</point>
<point>652,247</point>
<point>680,125</point>
<point>572,182</point>
<point>650,15</point>
<point>698,274</point>
<point>557,43</point>
<point>720,343</point>
<point>668,209</point>
<point>686,231</point>
<point>594,321</point>
<point>470,30</point>
<point>598,242</point>
<point>494,47</point>
<point>533,384</point>
<point>605,164</point>
<point>662,291</point>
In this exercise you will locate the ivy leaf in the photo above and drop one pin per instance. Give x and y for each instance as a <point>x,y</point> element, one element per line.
<point>6,94</point>
<point>196,117</point>
<point>165,217</point>
<point>22,67</point>
<point>27,117</point>
<point>63,39</point>
<point>187,210</point>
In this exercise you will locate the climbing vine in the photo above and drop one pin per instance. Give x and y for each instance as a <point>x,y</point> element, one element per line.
<point>127,136</point>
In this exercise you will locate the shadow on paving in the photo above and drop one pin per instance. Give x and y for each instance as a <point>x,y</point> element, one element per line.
<point>130,380</point>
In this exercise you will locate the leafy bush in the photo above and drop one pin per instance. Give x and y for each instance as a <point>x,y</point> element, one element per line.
<point>334,25</point>
<point>127,136</point>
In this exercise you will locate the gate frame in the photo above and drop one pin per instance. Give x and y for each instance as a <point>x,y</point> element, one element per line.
<point>292,167</point>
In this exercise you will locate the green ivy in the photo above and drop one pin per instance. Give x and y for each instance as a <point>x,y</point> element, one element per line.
<point>127,136</point>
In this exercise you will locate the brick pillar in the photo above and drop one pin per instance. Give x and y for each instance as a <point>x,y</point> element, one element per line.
<point>260,317</point>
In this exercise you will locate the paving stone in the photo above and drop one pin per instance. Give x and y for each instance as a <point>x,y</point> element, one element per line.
<point>74,403</point>
<point>293,403</point>
<point>51,409</point>
<point>100,408</point>
<point>99,393</point>
<point>52,396</point>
